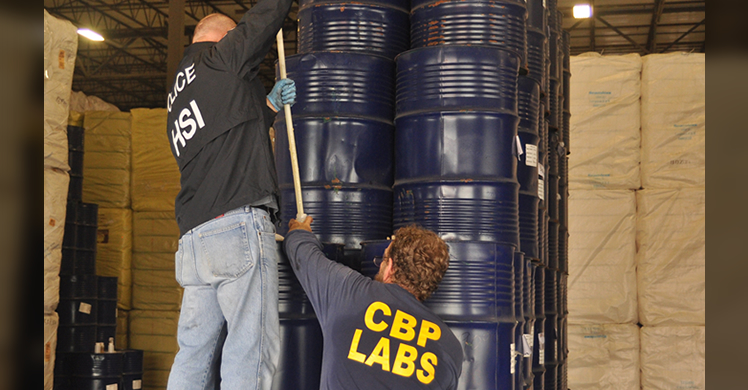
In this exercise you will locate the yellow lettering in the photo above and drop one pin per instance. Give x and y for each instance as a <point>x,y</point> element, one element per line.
<point>429,331</point>
<point>428,361</point>
<point>403,327</point>
<point>381,354</point>
<point>369,316</point>
<point>406,355</point>
<point>353,353</point>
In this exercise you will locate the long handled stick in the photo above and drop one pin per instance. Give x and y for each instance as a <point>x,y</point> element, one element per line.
<point>300,216</point>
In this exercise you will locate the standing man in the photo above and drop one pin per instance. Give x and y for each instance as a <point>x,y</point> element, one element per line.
<point>377,333</point>
<point>218,122</point>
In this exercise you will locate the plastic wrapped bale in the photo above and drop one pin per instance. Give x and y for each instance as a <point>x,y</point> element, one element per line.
<point>673,357</point>
<point>60,47</point>
<point>602,257</point>
<point>605,121</point>
<point>106,167</point>
<point>603,357</point>
<point>155,174</point>
<point>673,120</point>
<point>671,261</point>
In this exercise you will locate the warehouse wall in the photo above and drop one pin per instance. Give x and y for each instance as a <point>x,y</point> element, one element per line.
<point>636,212</point>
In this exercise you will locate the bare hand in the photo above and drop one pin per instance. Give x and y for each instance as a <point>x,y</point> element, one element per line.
<point>293,224</point>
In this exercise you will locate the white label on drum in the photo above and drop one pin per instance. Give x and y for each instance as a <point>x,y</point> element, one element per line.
<point>137,384</point>
<point>541,189</point>
<point>527,345</point>
<point>531,155</point>
<point>512,358</point>
<point>85,308</point>
<point>541,348</point>
<point>113,386</point>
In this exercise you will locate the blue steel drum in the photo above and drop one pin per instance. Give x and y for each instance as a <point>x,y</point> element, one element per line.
<point>529,334</point>
<point>542,236</point>
<point>551,293</point>
<point>343,214</point>
<point>456,77</point>
<point>563,249</point>
<point>553,230</point>
<point>536,15</point>
<point>536,54</point>
<point>469,145</point>
<point>538,351</point>
<point>528,104</point>
<point>551,7</point>
<point>498,24</point>
<point>528,225</point>
<point>519,286</point>
<point>566,130</point>
<point>478,285</point>
<point>519,306</point>
<point>300,360</point>
<point>371,27</point>
<point>556,103</point>
<point>336,151</point>
<point>487,354</point>
<point>528,289</point>
<point>464,210</point>
<point>370,250</point>
<point>347,84</point>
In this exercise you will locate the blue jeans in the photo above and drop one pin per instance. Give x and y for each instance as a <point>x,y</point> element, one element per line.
<point>228,268</point>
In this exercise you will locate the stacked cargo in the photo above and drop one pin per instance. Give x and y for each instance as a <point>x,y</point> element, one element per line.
<point>671,220</point>
<point>343,122</point>
<point>644,262</point>
<point>60,46</point>
<point>156,295</point>
<point>603,178</point>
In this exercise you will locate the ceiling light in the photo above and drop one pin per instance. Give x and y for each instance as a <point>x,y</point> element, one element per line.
<point>582,11</point>
<point>92,35</point>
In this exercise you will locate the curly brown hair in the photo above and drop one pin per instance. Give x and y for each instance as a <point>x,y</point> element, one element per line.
<point>420,259</point>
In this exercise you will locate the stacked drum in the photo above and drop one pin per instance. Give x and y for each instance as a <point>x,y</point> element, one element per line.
<point>456,158</point>
<point>344,133</point>
<point>466,134</point>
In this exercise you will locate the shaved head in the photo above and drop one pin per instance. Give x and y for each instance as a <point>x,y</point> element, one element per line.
<point>212,28</point>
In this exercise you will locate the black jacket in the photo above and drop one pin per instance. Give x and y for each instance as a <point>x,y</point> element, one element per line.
<point>218,120</point>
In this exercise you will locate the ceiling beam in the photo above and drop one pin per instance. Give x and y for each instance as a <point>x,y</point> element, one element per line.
<point>685,34</point>
<point>656,14</point>
<point>628,38</point>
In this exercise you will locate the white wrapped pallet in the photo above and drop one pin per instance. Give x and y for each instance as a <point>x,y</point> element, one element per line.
<point>602,257</point>
<point>603,357</point>
<point>55,201</point>
<point>60,47</point>
<point>605,123</point>
<point>51,321</point>
<point>671,260</point>
<point>673,357</point>
<point>673,120</point>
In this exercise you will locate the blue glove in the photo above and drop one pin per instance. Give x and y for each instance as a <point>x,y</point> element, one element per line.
<point>284,92</point>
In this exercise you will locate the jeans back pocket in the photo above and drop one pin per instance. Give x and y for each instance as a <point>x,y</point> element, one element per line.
<point>228,250</point>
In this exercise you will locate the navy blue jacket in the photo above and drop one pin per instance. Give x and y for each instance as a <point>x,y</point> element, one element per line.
<point>376,335</point>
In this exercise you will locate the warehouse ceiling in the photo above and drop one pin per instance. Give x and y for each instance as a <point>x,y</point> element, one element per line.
<point>129,69</point>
